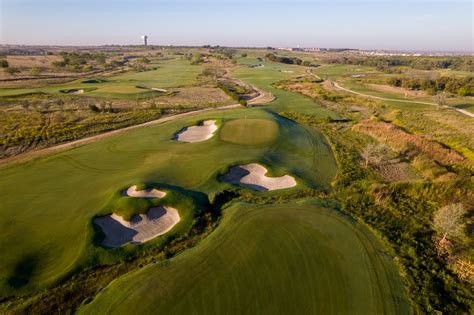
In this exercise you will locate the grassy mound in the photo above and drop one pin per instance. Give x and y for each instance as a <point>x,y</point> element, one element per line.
<point>273,259</point>
<point>249,131</point>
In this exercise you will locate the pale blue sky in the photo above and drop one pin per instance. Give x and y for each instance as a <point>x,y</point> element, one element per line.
<point>444,25</point>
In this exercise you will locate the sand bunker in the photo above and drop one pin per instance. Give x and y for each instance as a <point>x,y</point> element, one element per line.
<point>141,228</point>
<point>146,193</point>
<point>201,132</point>
<point>151,88</point>
<point>159,90</point>
<point>253,176</point>
<point>72,91</point>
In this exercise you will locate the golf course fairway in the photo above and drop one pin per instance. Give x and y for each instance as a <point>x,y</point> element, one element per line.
<point>48,204</point>
<point>294,258</point>
<point>298,257</point>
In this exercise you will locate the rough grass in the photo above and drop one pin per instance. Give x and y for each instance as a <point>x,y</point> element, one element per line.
<point>403,141</point>
<point>274,259</point>
<point>249,131</point>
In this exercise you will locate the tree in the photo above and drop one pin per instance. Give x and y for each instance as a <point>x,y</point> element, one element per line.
<point>11,70</point>
<point>449,220</point>
<point>144,60</point>
<point>35,71</point>
<point>3,63</point>
<point>197,59</point>
<point>440,99</point>
<point>94,108</point>
<point>374,153</point>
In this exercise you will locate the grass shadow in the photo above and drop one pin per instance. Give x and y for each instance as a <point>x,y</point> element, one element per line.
<point>24,270</point>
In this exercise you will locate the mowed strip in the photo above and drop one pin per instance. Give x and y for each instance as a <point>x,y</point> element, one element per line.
<point>272,259</point>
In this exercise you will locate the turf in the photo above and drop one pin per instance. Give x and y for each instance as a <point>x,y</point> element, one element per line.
<point>169,73</point>
<point>249,131</point>
<point>285,101</point>
<point>48,204</point>
<point>273,259</point>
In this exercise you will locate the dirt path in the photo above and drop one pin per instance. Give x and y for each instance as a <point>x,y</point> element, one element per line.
<point>462,111</point>
<point>262,98</point>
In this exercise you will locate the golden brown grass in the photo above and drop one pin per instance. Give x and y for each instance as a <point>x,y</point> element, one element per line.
<point>402,141</point>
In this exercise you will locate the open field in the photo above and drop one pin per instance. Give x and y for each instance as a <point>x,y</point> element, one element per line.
<point>259,260</point>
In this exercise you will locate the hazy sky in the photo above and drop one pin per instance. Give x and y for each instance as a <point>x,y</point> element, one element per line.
<point>370,24</point>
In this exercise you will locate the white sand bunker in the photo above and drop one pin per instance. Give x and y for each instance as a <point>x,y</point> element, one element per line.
<point>72,91</point>
<point>146,193</point>
<point>201,132</point>
<point>141,228</point>
<point>159,90</point>
<point>253,176</point>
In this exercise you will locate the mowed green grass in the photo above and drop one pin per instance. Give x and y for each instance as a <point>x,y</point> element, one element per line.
<point>339,71</point>
<point>249,131</point>
<point>48,204</point>
<point>272,259</point>
<point>264,78</point>
<point>170,73</point>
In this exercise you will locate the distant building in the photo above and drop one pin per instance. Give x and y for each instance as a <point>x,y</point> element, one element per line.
<point>145,40</point>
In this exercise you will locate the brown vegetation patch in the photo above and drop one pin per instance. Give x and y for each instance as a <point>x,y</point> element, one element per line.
<point>32,61</point>
<point>396,90</point>
<point>397,171</point>
<point>196,96</point>
<point>402,141</point>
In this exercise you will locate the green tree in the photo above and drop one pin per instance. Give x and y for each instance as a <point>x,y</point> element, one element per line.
<point>11,70</point>
<point>35,71</point>
<point>3,63</point>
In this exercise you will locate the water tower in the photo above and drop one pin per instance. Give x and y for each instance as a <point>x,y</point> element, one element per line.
<point>144,38</point>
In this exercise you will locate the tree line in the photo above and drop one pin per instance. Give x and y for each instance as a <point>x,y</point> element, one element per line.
<point>422,63</point>
<point>75,59</point>
<point>459,86</point>
<point>290,60</point>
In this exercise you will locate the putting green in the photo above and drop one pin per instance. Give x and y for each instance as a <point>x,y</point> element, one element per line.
<point>273,259</point>
<point>249,131</point>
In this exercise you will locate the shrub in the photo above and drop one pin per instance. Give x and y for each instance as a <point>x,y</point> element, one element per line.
<point>94,108</point>
<point>11,70</point>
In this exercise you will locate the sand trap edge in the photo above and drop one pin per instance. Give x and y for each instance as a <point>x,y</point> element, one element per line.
<point>253,175</point>
<point>140,229</point>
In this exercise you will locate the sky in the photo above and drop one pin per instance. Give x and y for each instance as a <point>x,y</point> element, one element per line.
<point>422,25</point>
